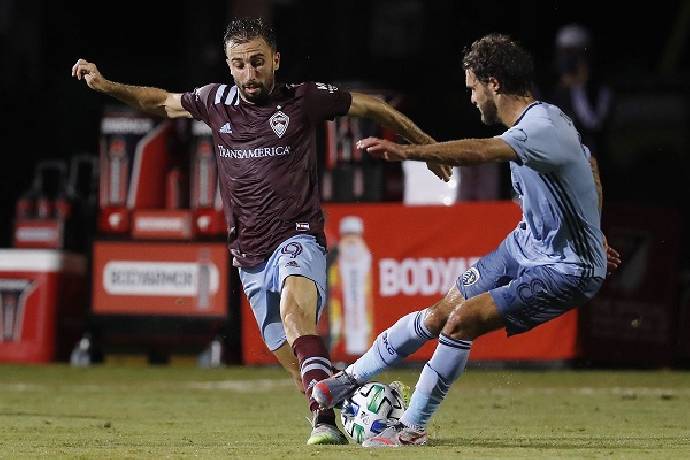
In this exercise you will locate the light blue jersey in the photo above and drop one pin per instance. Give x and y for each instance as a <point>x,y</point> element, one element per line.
<point>561,223</point>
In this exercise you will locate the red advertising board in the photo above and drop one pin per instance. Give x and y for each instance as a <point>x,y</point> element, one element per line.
<point>184,279</point>
<point>387,260</point>
<point>42,304</point>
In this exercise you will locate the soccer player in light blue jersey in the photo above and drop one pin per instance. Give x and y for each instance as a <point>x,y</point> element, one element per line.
<point>555,259</point>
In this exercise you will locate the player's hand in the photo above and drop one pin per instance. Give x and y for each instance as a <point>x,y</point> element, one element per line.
<point>379,148</point>
<point>443,172</point>
<point>613,259</point>
<point>87,71</point>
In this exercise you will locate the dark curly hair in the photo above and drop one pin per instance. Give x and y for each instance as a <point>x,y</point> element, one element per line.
<point>242,30</point>
<point>498,56</point>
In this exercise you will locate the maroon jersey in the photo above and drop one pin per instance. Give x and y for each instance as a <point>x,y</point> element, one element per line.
<point>266,157</point>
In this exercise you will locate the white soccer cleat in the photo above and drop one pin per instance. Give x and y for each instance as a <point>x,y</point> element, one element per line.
<point>397,436</point>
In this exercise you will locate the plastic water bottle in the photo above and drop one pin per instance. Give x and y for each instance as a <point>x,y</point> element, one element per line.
<point>212,356</point>
<point>81,353</point>
<point>354,264</point>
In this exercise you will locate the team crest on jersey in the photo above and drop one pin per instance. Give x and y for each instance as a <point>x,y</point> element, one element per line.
<point>279,123</point>
<point>470,277</point>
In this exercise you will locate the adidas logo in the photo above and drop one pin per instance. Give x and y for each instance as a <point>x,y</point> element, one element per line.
<point>292,263</point>
<point>225,129</point>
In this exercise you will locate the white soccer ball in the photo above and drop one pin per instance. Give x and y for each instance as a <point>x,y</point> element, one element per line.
<point>370,409</point>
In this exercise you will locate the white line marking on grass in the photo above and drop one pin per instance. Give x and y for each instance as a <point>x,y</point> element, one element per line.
<point>586,391</point>
<point>20,387</point>
<point>239,386</point>
<point>243,386</point>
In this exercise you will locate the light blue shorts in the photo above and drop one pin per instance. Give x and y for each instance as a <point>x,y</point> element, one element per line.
<point>525,296</point>
<point>300,255</point>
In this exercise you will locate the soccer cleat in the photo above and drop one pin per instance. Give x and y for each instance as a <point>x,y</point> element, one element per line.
<point>325,434</point>
<point>333,390</point>
<point>396,436</point>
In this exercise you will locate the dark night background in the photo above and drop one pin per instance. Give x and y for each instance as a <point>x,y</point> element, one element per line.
<point>410,46</point>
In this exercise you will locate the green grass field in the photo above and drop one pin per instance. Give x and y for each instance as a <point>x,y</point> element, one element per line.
<point>174,412</point>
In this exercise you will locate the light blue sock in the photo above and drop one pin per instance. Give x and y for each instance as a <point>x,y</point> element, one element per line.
<point>400,340</point>
<point>445,366</point>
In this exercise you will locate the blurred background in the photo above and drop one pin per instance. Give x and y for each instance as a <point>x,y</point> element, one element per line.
<point>623,76</point>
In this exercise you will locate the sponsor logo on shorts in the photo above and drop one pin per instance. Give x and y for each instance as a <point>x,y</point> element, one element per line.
<point>470,277</point>
<point>292,263</point>
<point>533,292</point>
<point>292,249</point>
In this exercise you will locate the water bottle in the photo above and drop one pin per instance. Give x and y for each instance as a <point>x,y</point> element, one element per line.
<point>81,353</point>
<point>354,265</point>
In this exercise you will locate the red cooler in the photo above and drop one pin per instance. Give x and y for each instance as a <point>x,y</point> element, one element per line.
<point>42,304</point>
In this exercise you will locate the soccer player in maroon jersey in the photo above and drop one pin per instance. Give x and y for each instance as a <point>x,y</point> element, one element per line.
<point>266,154</point>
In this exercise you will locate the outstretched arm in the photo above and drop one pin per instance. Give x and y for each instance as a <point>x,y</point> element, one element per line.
<point>155,101</point>
<point>465,152</point>
<point>366,106</point>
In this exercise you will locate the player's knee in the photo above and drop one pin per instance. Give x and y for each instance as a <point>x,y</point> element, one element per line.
<point>437,315</point>
<point>434,320</point>
<point>463,323</point>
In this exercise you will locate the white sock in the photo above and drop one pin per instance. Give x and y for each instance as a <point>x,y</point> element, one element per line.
<point>445,366</point>
<point>400,340</point>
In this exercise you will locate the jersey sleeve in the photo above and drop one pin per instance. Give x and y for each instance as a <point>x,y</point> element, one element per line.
<point>535,144</point>
<point>198,101</point>
<point>324,101</point>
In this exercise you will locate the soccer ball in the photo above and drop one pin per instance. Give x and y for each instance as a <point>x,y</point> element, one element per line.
<point>371,408</point>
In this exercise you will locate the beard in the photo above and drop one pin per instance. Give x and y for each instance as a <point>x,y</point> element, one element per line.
<point>489,113</point>
<point>255,91</point>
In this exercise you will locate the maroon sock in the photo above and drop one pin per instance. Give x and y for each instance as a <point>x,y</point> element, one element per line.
<point>315,364</point>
